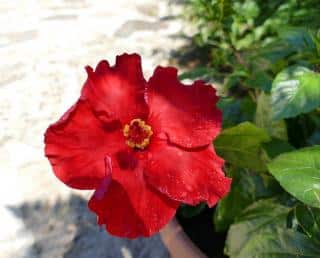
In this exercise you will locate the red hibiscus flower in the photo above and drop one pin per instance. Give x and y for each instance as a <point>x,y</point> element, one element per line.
<point>145,147</point>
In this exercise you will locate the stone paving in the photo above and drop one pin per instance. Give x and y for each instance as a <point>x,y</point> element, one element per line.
<point>44,46</point>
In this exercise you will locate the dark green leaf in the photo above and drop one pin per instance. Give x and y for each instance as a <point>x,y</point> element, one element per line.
<point>241,145</point>
<point>295,90</point>
<point>188,211</point>
<point>196,73</point>
<point>260,80</point>
<point>276,146</point>
<point>270,55</point>
<point>298,172</point>
<point>308,220</point>
<point>234,78</point>
<point>246,188</point>
<point>236,111</point>
<point>298,38</point>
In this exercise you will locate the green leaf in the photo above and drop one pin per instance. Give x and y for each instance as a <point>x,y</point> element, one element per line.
<point>197,73</point>
<point>236,111</point>
<point>262,215</point>
<point>308,221</point>
<point>235,77</point>
<point>241,145</point>
<point>223,8</point>
<point>259,80</point>
<point>269,55</point>
<point>298,172</point>
<point>295,90</point>
<point>261,232</point>
<point>279,243</point>
<point>263,118</point>
<point>276,147</point>
<point>298,38</point>
<point>246,188</point>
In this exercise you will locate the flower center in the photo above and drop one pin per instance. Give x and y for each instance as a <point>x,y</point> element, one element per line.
<point>138,133</point>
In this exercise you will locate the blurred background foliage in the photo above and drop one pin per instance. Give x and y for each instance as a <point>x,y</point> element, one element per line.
<point>264,58</point>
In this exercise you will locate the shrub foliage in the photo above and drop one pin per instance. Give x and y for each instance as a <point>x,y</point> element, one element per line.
<point>264,56</point>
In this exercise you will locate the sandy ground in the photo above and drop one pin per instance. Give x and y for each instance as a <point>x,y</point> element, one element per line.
<point>44,46</point>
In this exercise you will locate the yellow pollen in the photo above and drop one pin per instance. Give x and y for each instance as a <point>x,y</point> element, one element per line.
<point>138,133</point>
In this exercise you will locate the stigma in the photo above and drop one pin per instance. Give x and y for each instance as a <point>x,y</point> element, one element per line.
<point>137,133</point>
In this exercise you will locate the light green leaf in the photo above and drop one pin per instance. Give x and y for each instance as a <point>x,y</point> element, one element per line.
<point>263,118</point>
<point>253,221</point>
<point>241,145</point>
<point>279,243</point>
<point>298,172</point>
<point>261,232</point>
<point>295,90</point>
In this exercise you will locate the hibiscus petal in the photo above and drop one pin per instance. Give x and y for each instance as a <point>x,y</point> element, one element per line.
<point>129,207</point>
<point>77,145</point>
<point>187,113</point>
<point>117,92</point>
<point>187,176</point>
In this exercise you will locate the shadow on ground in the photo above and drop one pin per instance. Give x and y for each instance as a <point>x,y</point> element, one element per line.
<point>68,229</point>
